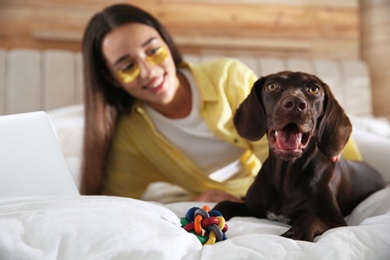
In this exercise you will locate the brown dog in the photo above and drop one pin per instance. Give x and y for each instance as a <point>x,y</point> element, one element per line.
<point>302,182</point>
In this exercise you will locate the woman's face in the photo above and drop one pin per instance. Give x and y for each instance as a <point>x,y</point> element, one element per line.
<point>141,62</point>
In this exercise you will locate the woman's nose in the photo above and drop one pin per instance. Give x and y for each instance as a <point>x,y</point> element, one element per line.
<point>147,69</point>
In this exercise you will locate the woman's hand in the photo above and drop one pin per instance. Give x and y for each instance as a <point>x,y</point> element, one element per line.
<point>215,196</point>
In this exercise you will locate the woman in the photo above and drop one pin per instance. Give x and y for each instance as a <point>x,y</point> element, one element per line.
<point>152,118</point>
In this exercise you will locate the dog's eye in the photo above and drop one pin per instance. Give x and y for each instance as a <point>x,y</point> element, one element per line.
<point>272,86</point>
<point>314,89</point>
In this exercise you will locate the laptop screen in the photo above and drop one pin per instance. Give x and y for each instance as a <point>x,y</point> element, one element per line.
<point>31,159</point>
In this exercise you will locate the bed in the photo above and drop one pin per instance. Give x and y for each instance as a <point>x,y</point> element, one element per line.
<point>104,227</point>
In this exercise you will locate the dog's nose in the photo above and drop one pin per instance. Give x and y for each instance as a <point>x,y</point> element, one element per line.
<point>295,103</point>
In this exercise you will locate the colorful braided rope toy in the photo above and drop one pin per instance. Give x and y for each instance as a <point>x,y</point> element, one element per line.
<point>208,226</point>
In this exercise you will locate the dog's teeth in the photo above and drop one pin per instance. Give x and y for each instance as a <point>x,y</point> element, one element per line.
<point>276,133</point>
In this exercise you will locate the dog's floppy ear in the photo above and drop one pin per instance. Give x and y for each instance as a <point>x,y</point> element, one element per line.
<point>250,120</point>
<point>334,128</point>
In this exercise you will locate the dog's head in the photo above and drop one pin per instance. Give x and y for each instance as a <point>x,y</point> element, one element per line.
<point>293,109</point>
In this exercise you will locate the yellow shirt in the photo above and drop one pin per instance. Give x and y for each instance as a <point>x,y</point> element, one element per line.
<point>139,155</point>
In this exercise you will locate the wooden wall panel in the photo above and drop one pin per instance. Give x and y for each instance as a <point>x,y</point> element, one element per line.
<point>375,50</point>
<point>294,28</point>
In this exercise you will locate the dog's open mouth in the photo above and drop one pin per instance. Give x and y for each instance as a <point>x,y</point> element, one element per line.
<point>288,142</point>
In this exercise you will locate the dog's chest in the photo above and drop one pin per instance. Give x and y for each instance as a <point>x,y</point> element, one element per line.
<point>280,218</point>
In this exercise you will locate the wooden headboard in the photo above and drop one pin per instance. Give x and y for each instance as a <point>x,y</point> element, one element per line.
<point>33,79</point>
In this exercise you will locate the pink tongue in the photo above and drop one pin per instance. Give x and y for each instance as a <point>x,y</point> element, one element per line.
<point>288,140</point>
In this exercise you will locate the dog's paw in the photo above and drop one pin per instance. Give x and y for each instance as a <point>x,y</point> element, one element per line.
<point>231,209</point>
<point>297,234</point>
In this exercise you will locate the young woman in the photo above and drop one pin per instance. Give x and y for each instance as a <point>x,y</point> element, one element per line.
<point>153,118</point>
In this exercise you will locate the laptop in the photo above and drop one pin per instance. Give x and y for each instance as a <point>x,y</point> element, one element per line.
<point>31,159</point>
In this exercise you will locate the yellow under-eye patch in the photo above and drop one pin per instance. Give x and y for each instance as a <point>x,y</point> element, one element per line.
<point>158,57</point>
<point>129,75</point>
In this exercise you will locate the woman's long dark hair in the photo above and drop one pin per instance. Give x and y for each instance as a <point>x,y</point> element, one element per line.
<point>104,101</point>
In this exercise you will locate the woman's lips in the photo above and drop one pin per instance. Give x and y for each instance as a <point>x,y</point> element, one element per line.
<point>155,85</point>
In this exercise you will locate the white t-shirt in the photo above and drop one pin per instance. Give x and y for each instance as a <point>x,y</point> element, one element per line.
<point>218,159</point>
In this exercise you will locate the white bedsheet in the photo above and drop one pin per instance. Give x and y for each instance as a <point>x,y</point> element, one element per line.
<point>101,227</point>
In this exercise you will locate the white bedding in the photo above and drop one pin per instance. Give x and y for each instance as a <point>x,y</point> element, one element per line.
<point>100,227</point>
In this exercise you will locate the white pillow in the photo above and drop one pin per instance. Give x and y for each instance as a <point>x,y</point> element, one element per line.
<point>91,227</point>
<point>68,123</point>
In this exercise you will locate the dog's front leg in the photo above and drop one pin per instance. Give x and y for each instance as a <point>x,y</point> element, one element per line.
<point>231,209</point>
<point>308,226</point>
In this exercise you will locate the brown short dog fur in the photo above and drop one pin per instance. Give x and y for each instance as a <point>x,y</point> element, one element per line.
<point>303,182</point>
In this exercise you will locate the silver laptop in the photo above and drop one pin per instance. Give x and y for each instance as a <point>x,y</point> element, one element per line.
<point>31,159</point>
